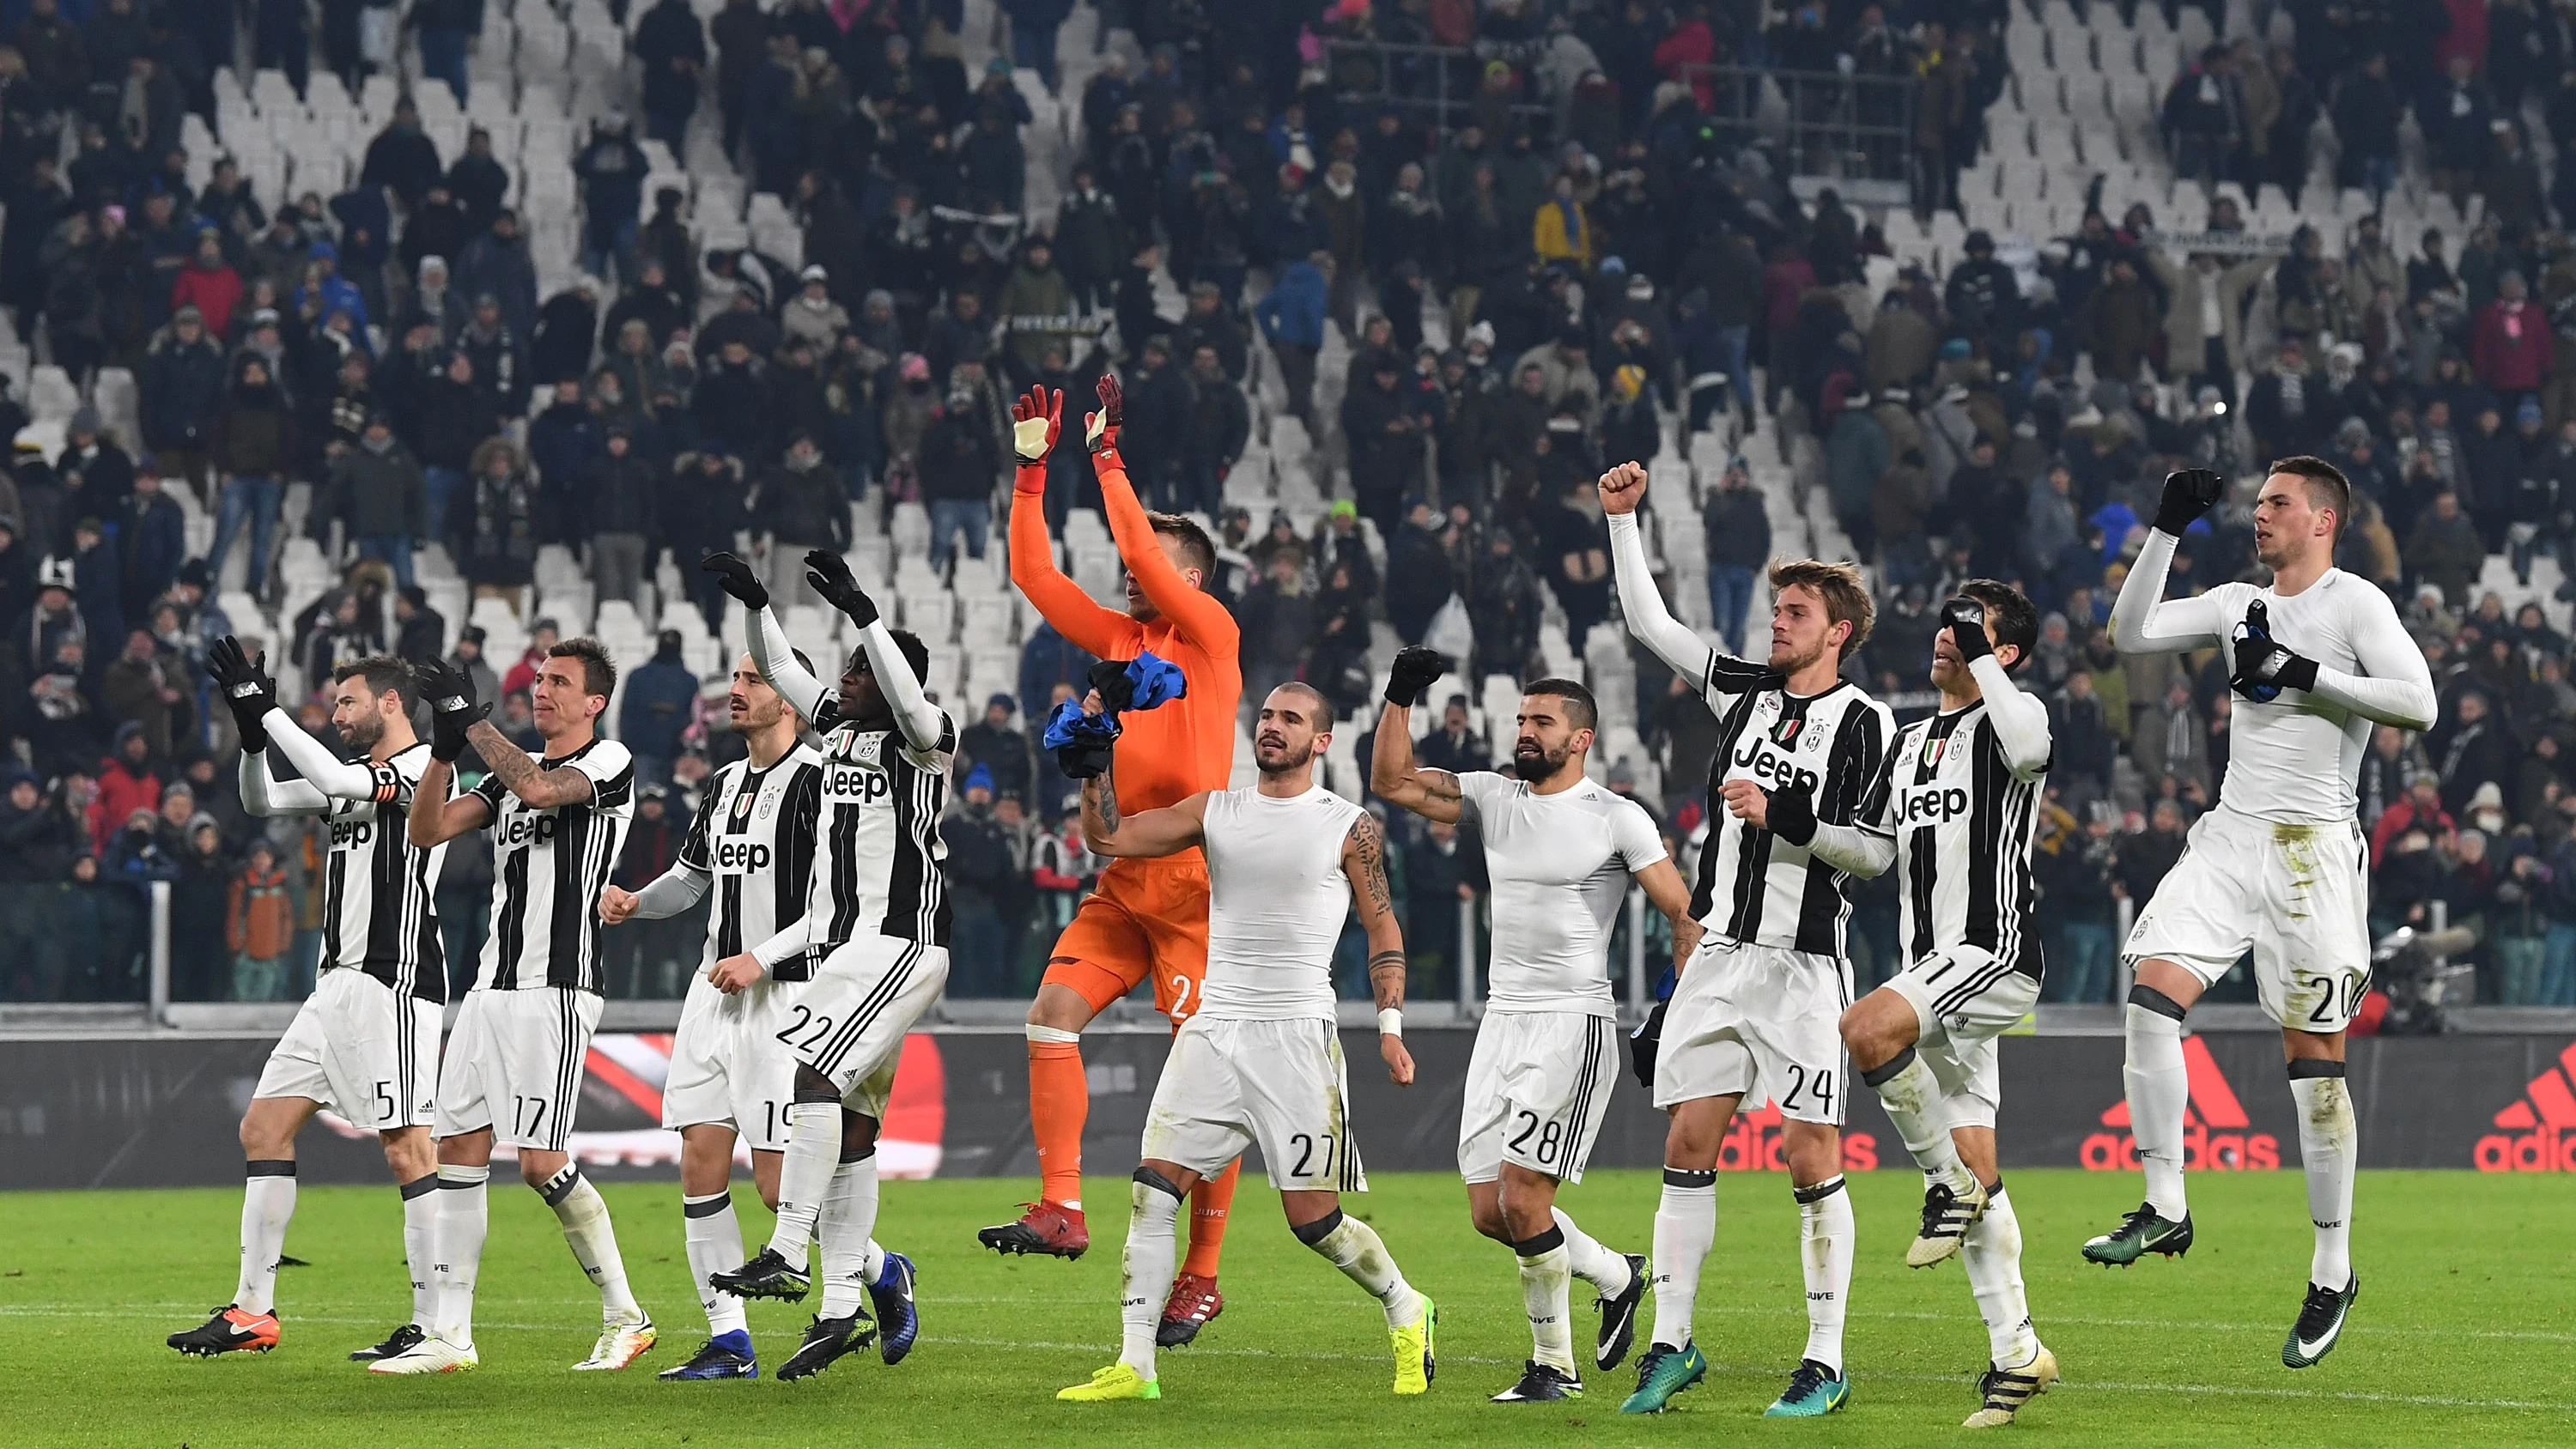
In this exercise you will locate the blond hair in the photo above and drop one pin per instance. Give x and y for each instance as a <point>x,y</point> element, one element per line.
<point>1846,598</point>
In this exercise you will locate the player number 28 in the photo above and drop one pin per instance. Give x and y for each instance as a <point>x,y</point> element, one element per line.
<point>805,1017</point>
<point>1551,1137</point>
<point>1819,1087</point>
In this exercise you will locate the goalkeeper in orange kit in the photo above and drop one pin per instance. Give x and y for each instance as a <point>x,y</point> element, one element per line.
<point>1148,919</point>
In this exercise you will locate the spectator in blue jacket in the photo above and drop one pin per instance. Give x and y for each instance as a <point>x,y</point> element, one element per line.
<point>336,292</point>
<point>180,392</point>
<point>1033,27</point>
<point>1292,317</point>
<point>661,701</point>
<point>152,541</point>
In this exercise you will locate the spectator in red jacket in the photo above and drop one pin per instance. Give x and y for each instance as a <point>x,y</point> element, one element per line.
<point>209,284</point>
<point>2420,810</point>
<point>1691,43</point>
<point>126,782</point>
<point>2512,354</point>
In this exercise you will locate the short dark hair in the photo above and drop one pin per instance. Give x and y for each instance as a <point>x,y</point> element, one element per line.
<point>2323,477</point>
<point>1194,542</point>
<point>916,655</point>
<point>2009,615</point>
<point>1585,713</point>
<point>598,671</point>
<point>1325,715</point>
<point>383,672</point>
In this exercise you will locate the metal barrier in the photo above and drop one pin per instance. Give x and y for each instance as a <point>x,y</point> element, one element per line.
<point>1852,131</point>
<point>1439,79</point>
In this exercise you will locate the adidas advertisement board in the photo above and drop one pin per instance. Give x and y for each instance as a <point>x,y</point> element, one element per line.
<point>162,1110</point>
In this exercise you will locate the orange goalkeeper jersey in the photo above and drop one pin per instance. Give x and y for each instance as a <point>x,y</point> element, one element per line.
<point>1174,751</point>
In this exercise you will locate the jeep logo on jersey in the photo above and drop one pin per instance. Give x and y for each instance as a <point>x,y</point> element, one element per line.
<point>851,782</point>
<point>1931,805</point>
<point>741,857</point>
<point>525,828</point>
<point>1772,769</point>
<point>351,832</point>
<point>2215,1135</point>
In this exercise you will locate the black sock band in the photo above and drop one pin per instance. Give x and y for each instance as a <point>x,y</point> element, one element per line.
<point>1886,1071</point>
<point>1321,1228</point>
<point>1995,1189</point>
<point>857,1154</point>
<point>1155,1180</point>
<point>558,1187</point>
<point>706,1207</point>
<point>1544,1243</point>
<point>269,1167</point>
<point>2156,1001</point>
<point>1690,1177</point>
<point>421,1186</point>
<point>1819,1192</point>
<point>2314,1067</point>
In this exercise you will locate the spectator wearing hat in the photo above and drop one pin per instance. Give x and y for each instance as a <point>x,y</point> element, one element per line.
<point>981,878</point>
<point>209,284</point>
<point>959,464</point>
<point>812,315</point>
<point>661,703</point>
<point>253,448</point>
<point>800,505</point>
<point>496,263</point>
<point>671,44</point>
<point>1292,318</point>
<point>323,290</point>
<point>500,524</point>
<point>499,358</point>
<point>380,497</point>
<point>992,744</point>
<point>453,417</point>
<point>419,630</point>
<point>1035,306</point>
<point>621,507</point>
<point>2512,353</point>
<point>181,391</point>
<point>151,541</point>
<point>259,926</point>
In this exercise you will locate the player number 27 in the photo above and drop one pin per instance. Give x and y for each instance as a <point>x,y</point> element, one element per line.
<point>1306,1144</point>
<point>1818,1085</point>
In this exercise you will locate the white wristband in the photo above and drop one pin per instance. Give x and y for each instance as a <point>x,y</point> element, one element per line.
<point>1390,1021</point>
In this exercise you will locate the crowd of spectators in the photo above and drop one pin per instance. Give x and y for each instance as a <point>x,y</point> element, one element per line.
<point>1561,271</point>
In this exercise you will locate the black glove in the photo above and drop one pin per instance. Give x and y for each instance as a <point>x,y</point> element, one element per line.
<point>1730,675</point>
<point>2188,494</point>
<point>738,579</point>
<point>2264,665</point>
<point>1085,758</point>
<point>830,575</point>
<point>246,688</point>
<point>1643,1043</point>
<point>452,710</point>
<point>1791,812</point>
<point>1416,669</point>
<point>1117,691</point>
<point>1966,620</point>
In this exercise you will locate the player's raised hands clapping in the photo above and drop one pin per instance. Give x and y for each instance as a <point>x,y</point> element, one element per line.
<point>1623,488</point>
<point>1417,668</point>
<point>1100,432</point>
<point>737,577</point>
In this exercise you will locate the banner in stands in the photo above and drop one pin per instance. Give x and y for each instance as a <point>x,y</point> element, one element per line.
<point>163,1111</point>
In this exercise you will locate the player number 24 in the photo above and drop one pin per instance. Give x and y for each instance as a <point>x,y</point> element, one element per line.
<point>1819,1087</point>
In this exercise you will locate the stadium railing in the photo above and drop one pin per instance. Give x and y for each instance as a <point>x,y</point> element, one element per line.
<point>1852,131</point>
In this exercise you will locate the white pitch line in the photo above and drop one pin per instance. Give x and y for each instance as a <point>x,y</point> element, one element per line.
<point>2429,1401</point>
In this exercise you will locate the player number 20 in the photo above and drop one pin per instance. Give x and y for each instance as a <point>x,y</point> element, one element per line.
<point>2323,1014</point>
<point>1551,1137</point>
<point>821,1027</point>
<point>1819,1087</point>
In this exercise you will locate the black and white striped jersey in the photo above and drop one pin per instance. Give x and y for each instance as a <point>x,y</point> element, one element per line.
<point>1965,821</point>
<point>379,894</point>
<point>878,857</point>
<point>1754,887</point>
<point>754,838</point>
<point>549,867</point>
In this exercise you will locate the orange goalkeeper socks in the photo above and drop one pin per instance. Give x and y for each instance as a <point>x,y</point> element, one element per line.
<point>1210,1201</point>
<point>1059,1103</point>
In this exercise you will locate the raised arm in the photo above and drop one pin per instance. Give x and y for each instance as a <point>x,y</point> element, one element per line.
<point>1364,861</point>
<point>2143,621</point>
<point>537,787</point>
<point>2020,720</point>
<point>1036,421</point>
<point>452,818</point>
<point>1431,794</point>
<point>924,724</point>
<point>324,771</point>
<point>1198,614</point>
<point>1167,831</point>
<point>1674,642</point>
<point>264,795</point>
<point>771,652</point>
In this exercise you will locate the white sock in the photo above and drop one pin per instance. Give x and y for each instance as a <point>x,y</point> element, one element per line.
<point>1914,1102</point>
<point>1145,1271</point>
<point>268,1204</point>
<point>1354,1247</point>
<point>1825,1240</point>
<point>849,1215</point>
<point>584,1215</point>
<point>1545,1273</point>
<point>714,1246</point>
<point>1992,1252</point>
<point>420,1246</point>
<point>1685,1227</point>
<point>2329,1142</point>
<point>1605,1270</point>
<point>805,1174</point>
<point>872,1261</point>
<point>2159,1091</point>
<point>463,1218</point>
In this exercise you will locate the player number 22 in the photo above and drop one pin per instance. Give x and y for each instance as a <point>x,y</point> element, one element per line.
<point>805,1016</point>
<point>1819,1087</point>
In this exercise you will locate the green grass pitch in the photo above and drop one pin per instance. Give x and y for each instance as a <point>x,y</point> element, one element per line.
<point>2462,1333</point>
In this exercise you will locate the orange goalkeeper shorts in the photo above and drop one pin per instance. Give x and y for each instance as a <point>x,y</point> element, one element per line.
<point>1147,920</point>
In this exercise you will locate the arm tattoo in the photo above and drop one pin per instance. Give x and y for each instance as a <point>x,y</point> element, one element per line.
<point>1109,798</point>
<point>520,772</point>
<point>1372,873</point>
<point>1386,979</point>
<point>1442,786</point>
